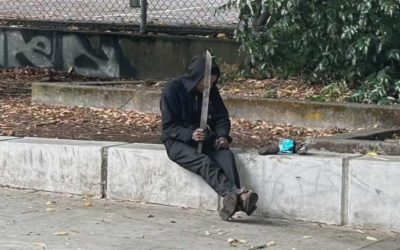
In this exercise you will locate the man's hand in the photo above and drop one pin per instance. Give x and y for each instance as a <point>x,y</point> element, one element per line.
<point>198,135</point>
<point>221,143</point>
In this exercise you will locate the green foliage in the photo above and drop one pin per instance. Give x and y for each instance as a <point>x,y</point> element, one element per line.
<point>333,92</point>
<point>229,73</point>
<point>381,88</point>
<point>357,42</point>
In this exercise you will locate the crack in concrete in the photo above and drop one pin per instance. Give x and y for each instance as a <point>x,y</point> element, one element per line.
<point>346,189</point>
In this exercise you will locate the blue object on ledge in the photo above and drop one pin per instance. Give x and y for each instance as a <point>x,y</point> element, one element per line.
<point>286,146</point>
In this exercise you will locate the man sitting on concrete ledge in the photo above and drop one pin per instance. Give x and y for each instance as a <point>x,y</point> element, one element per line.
<point>180,105</point>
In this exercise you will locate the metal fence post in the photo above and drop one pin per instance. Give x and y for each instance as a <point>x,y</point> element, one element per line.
<point>134,3</point>
<point>143,16</point>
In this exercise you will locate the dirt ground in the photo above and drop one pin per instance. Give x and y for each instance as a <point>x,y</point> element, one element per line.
<point>19,117</point>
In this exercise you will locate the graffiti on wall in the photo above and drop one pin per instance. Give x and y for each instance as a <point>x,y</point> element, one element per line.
<point>89,55</point>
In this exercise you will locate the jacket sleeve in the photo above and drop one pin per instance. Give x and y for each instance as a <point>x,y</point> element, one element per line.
<point>221,115</point>
<point>170,112</point>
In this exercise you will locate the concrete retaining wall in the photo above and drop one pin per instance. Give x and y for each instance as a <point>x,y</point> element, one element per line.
<point>320,187</point>
<point>113,55</point>
<point>300,113</point>
<point>66,94</point>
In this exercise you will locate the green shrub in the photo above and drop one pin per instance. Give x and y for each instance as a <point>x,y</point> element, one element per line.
<point>357,42</point>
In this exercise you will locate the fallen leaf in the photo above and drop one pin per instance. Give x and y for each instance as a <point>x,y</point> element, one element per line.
<point>150,216</point>
<point>252,247</point>
<point>50,209</point>
<point>88,204</point>
<point>221,35</point>
<point>7,132</point>
<point>372,154</point>
<point>61,233</point>
<point>207,233</point>
<point>70,70</point>
<point>50,203</point>
<point>232,240</point>
<point>271,243</point>
<point>371,238</point>
<point>40,245</point>
<point>306,237</point>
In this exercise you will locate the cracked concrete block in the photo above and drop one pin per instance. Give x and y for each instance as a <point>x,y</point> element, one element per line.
<point>67,166</point>
<point>295,187</point>
<point>375,192</point>
<point>143,172</point>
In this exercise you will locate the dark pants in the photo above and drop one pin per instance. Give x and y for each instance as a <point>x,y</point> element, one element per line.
<point>217,168</point>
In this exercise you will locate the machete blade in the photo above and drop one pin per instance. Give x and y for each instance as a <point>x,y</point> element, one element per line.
<point>206,97</point>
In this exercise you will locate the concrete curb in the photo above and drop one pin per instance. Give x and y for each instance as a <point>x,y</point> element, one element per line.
<point>295,112</point>
<point>69,166</point>
<point>320,187</point>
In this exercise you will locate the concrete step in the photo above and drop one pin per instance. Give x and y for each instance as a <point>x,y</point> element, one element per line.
<point>278,111</point>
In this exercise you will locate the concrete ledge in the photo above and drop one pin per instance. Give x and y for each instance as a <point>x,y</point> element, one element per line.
<point>295,187</point>
<point>375,192</point>
<point>53,165</point>
<point>300,113</point>
<point>7,138</point>
<point>68,94</point>
<point>319,187</point>
<point>314,114</point>
<point>359,142</point>
<point>143,172</point>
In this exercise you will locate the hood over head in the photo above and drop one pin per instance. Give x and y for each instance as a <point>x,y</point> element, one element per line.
<point>196,72</point>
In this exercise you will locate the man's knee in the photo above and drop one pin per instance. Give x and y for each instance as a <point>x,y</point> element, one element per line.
<point>225,154</point>
<point>176,150</point>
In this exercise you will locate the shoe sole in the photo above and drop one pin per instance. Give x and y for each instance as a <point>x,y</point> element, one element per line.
<point>230,203</point>
<point>249,203</point>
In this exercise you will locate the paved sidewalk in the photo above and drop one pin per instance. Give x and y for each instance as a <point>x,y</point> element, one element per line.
<point>39,220</point>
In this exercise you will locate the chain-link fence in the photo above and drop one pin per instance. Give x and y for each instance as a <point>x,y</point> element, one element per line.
<point>203,13</point>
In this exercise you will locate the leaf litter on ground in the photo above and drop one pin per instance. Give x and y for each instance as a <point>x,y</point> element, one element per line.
<point>36,120</point>
<point>21,118</point>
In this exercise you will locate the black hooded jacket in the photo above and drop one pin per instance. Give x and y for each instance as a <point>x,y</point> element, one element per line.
<point>181,107</point>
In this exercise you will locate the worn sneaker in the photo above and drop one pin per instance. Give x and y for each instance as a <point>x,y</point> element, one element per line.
<point>230,203</point>
<point>248,201</point>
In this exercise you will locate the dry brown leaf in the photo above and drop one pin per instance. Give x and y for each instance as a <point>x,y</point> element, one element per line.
<point>61,233</point>
<point>88,204</point>
<point>371,238</point>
